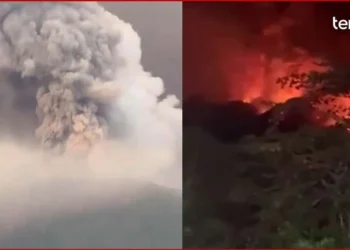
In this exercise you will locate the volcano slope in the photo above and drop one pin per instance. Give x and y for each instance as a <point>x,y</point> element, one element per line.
<point>258,180</point>
<point>115,221</point>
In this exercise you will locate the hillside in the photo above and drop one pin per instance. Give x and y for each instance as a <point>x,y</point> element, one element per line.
<point>269,190</point>
<point>152,220</point>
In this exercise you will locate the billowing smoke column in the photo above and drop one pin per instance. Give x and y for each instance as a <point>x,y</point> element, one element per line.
<point>71,78</point>
<point>79,58</point>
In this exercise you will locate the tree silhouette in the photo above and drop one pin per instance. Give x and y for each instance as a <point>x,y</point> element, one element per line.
<point>276,190</point>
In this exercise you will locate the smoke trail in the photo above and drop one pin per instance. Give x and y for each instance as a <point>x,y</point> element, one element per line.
<point>74,70</point>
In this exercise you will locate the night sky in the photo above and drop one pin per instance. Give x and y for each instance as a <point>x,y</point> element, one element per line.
<point>215,34</point>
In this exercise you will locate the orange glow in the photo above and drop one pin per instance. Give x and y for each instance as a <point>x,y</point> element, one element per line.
<point>230,54</point>
<point>252,73</point>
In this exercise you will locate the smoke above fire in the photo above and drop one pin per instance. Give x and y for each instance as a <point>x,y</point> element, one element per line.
<point>73,85</point>
<point>241,57</point>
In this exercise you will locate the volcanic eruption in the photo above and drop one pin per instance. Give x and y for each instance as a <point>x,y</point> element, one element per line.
<point>266,89</point>
<point>268,60</point>
<point>74,61</point>
<point>72,83</point>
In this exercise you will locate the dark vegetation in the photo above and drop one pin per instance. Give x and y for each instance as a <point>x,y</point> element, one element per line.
<point>265,180</point>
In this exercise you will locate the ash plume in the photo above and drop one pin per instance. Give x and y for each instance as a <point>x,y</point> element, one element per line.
<point>71,81</point>
<point>74,53</point>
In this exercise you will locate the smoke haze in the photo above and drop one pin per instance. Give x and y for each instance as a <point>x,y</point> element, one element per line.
<point>82,124</point>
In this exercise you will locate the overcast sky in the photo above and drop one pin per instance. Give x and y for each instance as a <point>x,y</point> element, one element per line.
<point>160,28</point>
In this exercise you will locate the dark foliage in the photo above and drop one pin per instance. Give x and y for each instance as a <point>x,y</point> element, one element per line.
<point>248,186</point>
